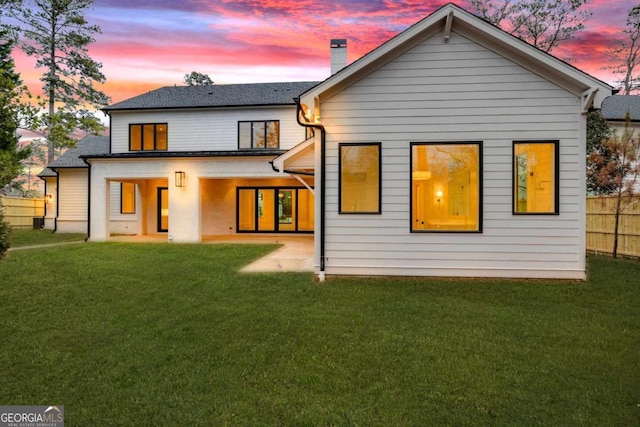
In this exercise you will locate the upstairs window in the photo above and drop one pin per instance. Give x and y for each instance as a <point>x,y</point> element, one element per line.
<point>535,177</point>
<point>148,137</point>
<point>256,135</point>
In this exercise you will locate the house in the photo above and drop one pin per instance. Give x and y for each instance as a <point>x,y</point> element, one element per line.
<point>615,109</point>
<point>67,185</point>
<point>453,149</point>
<point>196,161</point>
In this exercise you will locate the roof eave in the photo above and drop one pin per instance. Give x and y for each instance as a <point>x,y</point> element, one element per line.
<point>552,67</point>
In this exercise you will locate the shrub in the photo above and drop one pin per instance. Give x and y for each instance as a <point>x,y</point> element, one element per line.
<point>4,236</point>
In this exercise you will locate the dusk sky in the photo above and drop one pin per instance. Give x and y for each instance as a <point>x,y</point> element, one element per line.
<point>148,44</point>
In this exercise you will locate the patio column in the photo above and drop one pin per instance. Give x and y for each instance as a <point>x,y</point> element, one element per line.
<point>184,209</point>
<point>99,205</point>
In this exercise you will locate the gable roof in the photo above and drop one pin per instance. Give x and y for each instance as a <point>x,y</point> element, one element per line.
<point>89,145</point>
<point>234,95</point>
<point>616,107</point>
<point>452,18</point>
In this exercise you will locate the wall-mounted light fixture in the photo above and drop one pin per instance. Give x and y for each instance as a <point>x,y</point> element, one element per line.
<point>439,196</point>
<point>180,179</point>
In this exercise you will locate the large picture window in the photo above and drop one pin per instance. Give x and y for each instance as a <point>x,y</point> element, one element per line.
<point>535,177</point>
<point>360,178</point>
<point>264,134</point>
<point>446,187</point>
<point>148,137</point>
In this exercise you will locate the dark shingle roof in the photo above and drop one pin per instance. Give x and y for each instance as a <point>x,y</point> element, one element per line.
<point>46,173</point>
<point>615,107</point>
<point>235,95</point>
<point>89,145</point>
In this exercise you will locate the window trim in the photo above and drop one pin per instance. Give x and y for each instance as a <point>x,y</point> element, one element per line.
<point>556,171</point>
<point>480,186</point>
<point>122,199</point>
<point>360,144</point>
<point>276,229</point>
<point>252,147</point>
<point>155,134</point>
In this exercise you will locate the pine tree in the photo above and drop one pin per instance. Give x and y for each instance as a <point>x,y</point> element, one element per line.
<point>57,34</point>
<point>10,94</point>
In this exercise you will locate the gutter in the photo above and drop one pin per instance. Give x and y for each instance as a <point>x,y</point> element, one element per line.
<point>290,171</point>
<point>55,220</point>
<point>89,197</point>
<point>321,275</point>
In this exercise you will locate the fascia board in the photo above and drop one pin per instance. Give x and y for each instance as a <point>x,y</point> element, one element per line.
<point>480,31</point>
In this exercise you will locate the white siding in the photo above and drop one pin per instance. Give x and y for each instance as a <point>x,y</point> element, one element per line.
<point>72,200</point>
<point>206,130</point>
<point>51,200</point>
<point>458,91</point>
<point>122,223</point>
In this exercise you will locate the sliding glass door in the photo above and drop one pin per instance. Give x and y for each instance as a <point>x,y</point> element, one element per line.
<point>274,210</point>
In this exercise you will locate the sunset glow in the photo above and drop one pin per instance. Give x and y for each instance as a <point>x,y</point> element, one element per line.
<point>149,44</point>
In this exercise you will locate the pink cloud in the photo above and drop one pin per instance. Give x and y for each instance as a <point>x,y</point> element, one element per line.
<point>152,44</point>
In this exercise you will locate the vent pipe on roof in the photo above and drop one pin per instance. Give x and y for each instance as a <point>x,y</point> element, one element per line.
<point>338,55</point>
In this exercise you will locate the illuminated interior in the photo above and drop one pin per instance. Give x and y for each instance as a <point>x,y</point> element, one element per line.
<point>275,210</point>
<point>127,198</point>
<point>148,137</point>
<point>360,178</point>
<point>445,187</point>
<point>535,177</point>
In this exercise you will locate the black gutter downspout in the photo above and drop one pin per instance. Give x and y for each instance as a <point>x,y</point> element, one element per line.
<point>89,199</point>
<point>322,178</point>
<point>55,220</point>
<point>291,172</point>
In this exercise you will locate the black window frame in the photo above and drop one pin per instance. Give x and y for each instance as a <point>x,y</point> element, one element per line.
<point>121,199</point>
<point>360,144</point>
<point>155,135</point>
<point>556,172</point>
<point>253,147</point>
<point>480,145</point>
<point>276,229</point>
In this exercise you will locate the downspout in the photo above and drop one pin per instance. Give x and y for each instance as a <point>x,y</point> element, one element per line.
<point>45,195</point>
<point>321,275</point>
<point>55,220</point>
<point>296,175</point>
<point>88,198</point>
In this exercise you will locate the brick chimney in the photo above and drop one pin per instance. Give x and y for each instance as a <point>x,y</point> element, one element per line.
<point>338,55</point>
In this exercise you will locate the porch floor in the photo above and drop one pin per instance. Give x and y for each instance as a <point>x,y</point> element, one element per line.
<point>296,254</point>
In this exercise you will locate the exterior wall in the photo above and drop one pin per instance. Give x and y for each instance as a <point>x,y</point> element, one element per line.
<point>186,205</point>
<point>51,201</point>
<point>219,208</point>
<point>452,92</point>
<point>73,186</point>
<point>205,130</point>
<point>123,223</point>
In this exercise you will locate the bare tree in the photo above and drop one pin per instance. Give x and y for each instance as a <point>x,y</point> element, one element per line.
<point>624,55</point>
<point>618,170</point>
<point>542,23</point>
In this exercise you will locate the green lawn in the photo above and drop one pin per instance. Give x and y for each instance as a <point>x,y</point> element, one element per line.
<point>21,237</point>
<point>158,334</point>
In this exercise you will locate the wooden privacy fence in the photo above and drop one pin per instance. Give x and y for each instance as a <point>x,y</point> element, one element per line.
<point>601,223</point>
<point>19,212</point>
